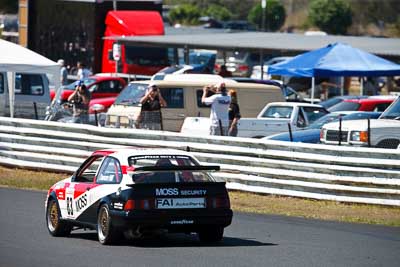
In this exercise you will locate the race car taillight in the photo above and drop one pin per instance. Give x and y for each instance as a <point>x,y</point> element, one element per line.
<point>220,202</point>
<point>129,205</point>
<point>142,204</point>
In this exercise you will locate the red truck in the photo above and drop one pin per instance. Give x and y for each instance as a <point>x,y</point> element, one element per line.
<point>87,35</point>
<point>134,59</point>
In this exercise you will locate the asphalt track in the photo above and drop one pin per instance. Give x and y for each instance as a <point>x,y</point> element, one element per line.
<point>252,240</point>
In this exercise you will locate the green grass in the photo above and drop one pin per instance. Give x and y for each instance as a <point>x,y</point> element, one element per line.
<point>241,201</point>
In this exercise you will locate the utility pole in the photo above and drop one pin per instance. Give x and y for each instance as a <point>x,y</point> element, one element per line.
<point>263,18</point>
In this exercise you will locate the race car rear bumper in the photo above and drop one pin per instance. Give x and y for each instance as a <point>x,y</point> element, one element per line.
<point>172,220</point>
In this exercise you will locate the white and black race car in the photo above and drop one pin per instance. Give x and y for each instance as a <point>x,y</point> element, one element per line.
<point>139,192</point>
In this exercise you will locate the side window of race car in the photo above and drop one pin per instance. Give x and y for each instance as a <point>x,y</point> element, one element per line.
<point>88,169</point>
<point>110,172</point>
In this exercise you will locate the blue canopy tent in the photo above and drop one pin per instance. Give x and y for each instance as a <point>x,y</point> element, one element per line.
<point>335,60</point>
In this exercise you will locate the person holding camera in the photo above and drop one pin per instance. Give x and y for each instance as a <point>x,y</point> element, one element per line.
<point>220,102</point>
<point>150,115</point>
<point>80,99</point>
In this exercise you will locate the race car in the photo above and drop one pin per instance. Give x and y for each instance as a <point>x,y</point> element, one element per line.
<point>136,193</point>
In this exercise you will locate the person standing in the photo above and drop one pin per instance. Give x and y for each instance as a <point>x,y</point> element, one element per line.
<point>224,72</point>
<point>63,72</point>
<point>150,115</point>
<point>219,102</point>
<point>80,98</point>
<point>234,114</point>
<point>83,72</point>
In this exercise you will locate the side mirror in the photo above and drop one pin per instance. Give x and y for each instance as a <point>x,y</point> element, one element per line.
<point>110,55</point>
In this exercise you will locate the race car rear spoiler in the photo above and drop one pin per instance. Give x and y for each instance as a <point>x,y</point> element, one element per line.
<point>177,168</point>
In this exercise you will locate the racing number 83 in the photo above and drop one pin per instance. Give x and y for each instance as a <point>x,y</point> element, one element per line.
<point>70,209</point>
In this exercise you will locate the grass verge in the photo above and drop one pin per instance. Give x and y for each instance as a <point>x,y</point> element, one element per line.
<point>241,201</point>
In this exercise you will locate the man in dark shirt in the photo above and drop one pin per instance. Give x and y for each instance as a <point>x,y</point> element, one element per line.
<point>152,103</point>
<point>80,98</point>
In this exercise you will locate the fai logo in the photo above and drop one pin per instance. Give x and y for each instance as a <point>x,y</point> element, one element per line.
<point>167,191</point>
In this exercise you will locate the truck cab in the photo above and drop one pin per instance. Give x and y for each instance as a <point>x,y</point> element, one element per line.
<point>383,132</point>
<point>133,59</point>
<point>275,117</point>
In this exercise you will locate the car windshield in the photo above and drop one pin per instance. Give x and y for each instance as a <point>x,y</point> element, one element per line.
<point>131,94</point>
<point>362,115</point>
<point>233,55</point>
<point>72,86</point>
<point>277,112</point>
<point>172,69</point>
<point>198,58</point>
<point>323,120</point>
<point>165,175</point>
<point>330,102</point>
<point>332,117</point>
<point>393,111</point>
<point>345,106</point>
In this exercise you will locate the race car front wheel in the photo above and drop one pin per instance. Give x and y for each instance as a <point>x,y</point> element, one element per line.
<point>211,235</point>
<point>106,232</point>
<point>56,226</point>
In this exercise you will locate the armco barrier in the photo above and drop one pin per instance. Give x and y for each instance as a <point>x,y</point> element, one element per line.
<point>347,174</point>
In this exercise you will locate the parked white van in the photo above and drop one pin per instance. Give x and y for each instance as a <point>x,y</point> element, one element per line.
<point>183,96</point>
<point>32,95</point>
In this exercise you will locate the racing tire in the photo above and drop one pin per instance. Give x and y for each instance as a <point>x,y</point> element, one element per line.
<point>106,232</point>
<point>211,235</point>
<point>55,225</point>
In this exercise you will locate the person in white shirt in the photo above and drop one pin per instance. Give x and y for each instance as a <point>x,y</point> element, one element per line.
<point>63,72</point>
<point>83,72</point>
<point>219,102</point>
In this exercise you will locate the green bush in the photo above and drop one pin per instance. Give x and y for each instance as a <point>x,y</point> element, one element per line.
<point>274,15</point>
<point>186,14</point>
<point>331,16</point>
<point>218,12</point>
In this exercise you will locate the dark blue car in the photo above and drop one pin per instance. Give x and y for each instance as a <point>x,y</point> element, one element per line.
<point>311,133</point>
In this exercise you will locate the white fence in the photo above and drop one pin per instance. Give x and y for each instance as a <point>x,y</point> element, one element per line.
<point>347,174</point>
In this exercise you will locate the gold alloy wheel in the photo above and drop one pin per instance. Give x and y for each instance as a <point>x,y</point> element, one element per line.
<point>53,215</point>
<point>104,222</point>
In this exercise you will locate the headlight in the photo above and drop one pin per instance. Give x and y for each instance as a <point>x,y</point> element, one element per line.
<point>359,136</point>
<point>98,108</point>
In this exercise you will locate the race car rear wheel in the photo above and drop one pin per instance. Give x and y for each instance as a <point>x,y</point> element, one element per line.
<point>55,225</point>
<point>106,232</point>
<point>211,235</point>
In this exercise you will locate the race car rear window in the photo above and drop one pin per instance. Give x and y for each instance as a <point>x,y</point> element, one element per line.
<point>167,176</point>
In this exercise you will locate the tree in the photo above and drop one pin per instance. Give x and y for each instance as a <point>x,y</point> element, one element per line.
<point>218,12</point>
<point>186,14</point>
<point>274,15</point>
<point>331,16</point>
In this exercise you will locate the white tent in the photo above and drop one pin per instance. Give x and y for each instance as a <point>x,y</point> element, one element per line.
<point>15,58</point>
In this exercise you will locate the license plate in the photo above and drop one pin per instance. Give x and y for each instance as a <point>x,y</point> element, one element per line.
<point>180,203</point>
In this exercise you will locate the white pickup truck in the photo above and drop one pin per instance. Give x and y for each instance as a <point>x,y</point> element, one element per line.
<point>272,119</point>
<point>383,132</point>
<point>275,117</point>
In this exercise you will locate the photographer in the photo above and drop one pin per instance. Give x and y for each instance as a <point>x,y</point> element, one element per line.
<point>150,113</point>
<point>80,98</point>
<point>219,102</point>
